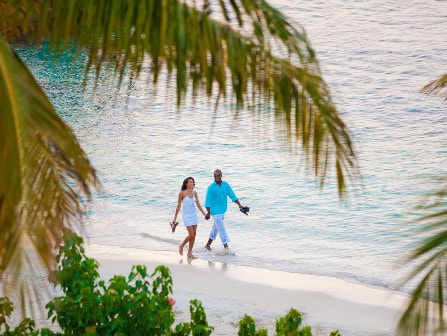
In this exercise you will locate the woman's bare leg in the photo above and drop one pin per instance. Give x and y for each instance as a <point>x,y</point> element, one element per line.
<point>185,241</point>
<point>192,234</point>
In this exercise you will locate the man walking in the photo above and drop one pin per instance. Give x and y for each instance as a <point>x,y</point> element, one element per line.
<point>216,206</point>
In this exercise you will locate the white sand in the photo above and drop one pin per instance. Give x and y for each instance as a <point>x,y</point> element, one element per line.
<point>228,292</point>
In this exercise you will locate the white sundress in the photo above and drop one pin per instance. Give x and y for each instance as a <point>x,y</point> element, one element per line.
<point>189,211</point>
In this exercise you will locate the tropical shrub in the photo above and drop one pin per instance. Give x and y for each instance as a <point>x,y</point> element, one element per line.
<point>247,327</point>
<point>289,325</point>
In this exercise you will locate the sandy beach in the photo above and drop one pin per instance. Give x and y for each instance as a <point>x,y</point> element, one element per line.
<point>228,292</point>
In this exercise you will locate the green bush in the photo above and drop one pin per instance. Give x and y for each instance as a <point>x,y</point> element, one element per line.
<point>247,327</point>
<point>136,305</point>
<point>26,327</point>
<point>289,325</point>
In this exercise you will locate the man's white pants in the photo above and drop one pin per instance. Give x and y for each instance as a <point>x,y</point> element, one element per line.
<point>219,226</point>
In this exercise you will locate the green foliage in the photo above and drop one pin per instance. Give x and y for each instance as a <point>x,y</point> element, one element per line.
<point>26,327</point>
<point>438,86</point>
<point>6,308</point>
<point>425,312</point>
<point>45,176</point>
<point>289,325</point>
<point>254,52</point>
<point>135,305</point>
<point>199,324</point>
<point>247,327</point>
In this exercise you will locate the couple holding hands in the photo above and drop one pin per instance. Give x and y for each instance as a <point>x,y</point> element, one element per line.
<point>216,206</point>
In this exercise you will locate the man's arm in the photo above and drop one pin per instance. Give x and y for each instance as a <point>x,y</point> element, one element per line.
<point>233,196</point>
<point>208,203</point>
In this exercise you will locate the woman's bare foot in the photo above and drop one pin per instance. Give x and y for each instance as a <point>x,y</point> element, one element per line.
<point>180,250</point>
<point>192,257</point>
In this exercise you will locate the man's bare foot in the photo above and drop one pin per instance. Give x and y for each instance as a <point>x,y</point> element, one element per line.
<point>207,247</point>
<point>180,250</point>
<point>192,257</point>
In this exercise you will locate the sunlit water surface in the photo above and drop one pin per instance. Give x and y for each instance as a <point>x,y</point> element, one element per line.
<point>376,55</point>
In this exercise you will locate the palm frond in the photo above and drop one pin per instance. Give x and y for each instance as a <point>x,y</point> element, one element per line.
<point>44,172</point>
<point>240,52</point>
<point>16,23</point>
<point>438,86</point>
<point>425,313</point>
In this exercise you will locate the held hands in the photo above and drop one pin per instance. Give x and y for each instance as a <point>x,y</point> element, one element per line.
<point>207,216</point>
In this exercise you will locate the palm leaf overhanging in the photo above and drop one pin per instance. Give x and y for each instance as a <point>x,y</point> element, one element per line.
<point>44,171</point>
<point>425,313</point>
<point>219,45</point>
<point>224,46</point>
<point>439,85</point>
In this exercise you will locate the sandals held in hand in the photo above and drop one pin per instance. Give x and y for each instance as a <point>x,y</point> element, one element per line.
<point>244,210</point>
<point>173,226</point>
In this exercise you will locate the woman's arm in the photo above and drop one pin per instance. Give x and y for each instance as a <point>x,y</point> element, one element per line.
<point>179,205</point>
<point>199,206</point>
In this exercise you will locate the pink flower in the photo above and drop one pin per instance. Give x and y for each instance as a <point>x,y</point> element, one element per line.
<point>171,301</point>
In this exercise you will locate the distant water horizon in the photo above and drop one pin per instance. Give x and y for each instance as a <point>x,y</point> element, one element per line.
<point>375,56</point>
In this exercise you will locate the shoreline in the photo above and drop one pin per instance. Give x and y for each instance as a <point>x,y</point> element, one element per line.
<point>228,292</point>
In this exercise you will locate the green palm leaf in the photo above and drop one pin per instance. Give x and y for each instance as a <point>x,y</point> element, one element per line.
<point>240,52</point>
<point>425,313</point>
<point>44,172</point>
<point>437,86</point>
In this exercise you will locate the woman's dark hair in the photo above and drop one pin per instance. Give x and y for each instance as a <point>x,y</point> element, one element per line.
<point>185,182</point>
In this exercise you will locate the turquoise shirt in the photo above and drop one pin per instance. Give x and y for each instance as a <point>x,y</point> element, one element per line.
<point>216,197</point>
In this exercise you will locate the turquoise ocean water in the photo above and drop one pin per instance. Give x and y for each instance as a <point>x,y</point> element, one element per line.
<point>376,55</point>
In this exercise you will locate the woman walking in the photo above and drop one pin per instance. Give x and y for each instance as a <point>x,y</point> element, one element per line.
<point>188,198</point>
